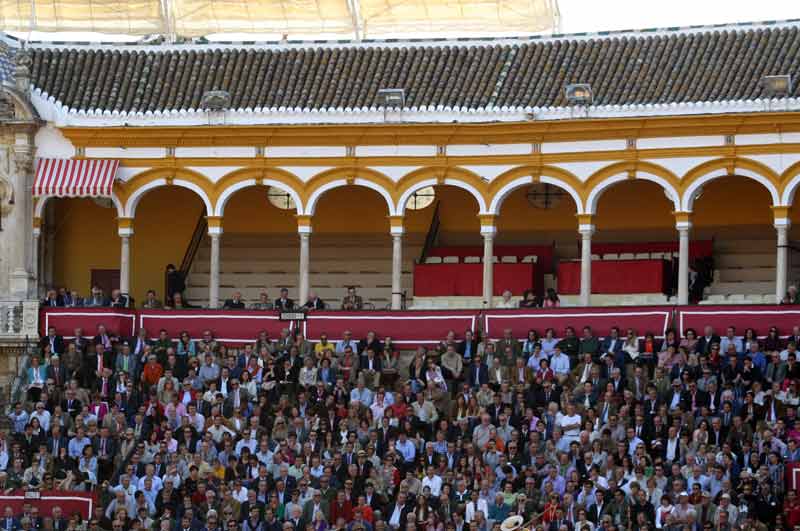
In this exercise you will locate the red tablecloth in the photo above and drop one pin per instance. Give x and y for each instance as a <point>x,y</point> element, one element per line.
<point>66,320</point>
<point>408,329</point>
<point>644,319</point>
<point>454,280</point>
<point>697,248</point>
<point>615,276</point>
<point>759,317</point>
<point>69,501</point>
<point>233,326</point>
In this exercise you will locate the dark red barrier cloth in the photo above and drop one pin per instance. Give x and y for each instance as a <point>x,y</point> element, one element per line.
<point>66,320</point>
<point>615,276</point>
<point>407,329</point>
<point>466,280</point>
<point>697,248</point>
<point>759,317</point>
<point>69,501</point>
<point>643,319</point>
<point>543,252</point>
<point>229,326</point>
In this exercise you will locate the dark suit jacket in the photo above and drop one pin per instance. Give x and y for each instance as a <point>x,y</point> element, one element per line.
<point>701,399</point>
<point>76,406</point>
<point>58,343</point>
<point>462,347</point>
<point>316,304</point>
<point>594,514</point>
<point>58,301</point>
<point>376,363</point>
<point>111,447</point>
<point>482,376</point>
<point>288,305</point>
<point>230,304</point>
<point>62,373</point>
<point>704,346</point>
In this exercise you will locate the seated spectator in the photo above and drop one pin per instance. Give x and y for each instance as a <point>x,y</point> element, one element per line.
<point>97,299</point>
<point>551,299</point>
<point>263,302</point>
<point>235,302</point>
<point>119,300</point>
<point>314,302</point>
<point>529,300</point>
<point>352,301</point>
<point>52,299</point>
<point>284,303</point>
<point>151,302</point>
<point>506,301</point>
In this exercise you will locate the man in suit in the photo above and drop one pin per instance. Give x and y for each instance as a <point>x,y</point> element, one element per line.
<point>468,347</point>
<point>352,301</point>
<point>105,448</point>
<point>119,300</point>
<point>55,341</point>
<point>52,300</point>
<point>9,523</point>
<point>314,505</point>
<point>583,371</point>
<point>370,369</point>
<point>693,398</point>
<point>237,398</point>
<point>235,302</point>
<point>638,384</point>
<point>72,299</point>
<point>548,393</point>
<point>71,405</point>
<point>612,345</point>
<point>598,508</point>
<point>103,337</point>
<point>478,373</point>
<point>283,302</point>
<point>508,341</point>
<point>97,299</point>
<point>314,302</point>
<point>709,338</point>
<point>57,372</point>
<point>397,513</point>
<point>151,302</point>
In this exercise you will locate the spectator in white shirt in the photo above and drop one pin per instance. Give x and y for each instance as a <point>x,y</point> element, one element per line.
<point>433,481</point>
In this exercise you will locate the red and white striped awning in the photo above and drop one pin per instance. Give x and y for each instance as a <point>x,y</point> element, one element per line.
<point>75,178</point>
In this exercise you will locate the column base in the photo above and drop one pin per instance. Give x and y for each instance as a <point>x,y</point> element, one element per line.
<point>22,285</point>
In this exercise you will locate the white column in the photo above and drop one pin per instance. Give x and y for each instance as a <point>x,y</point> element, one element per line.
<point>303,282</point>
<point>125,260</point>
<point>397,268</point>
<point>488,232</point>
<point>35,261</point>
<point>48,260</point>
<point>586,231</point>
<point>683,261</point>
<point>782,258</point>
<point>213,284</point>
<point>18,228</point>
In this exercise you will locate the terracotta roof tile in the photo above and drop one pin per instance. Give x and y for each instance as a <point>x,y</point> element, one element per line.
<point>630,69</point>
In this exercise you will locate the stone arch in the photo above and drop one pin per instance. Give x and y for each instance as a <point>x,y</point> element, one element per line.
<point>715,169</point>
<point>607,177</point>
<point>509,181</point>
<point>330,179</point>
<point>245,178</point>
<point>38,209</point>
<point>451,176</point>
<point>158,177</point>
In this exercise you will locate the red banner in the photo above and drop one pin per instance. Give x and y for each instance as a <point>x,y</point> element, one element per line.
<point>117,321</point>
<point>69,501</point>
<point>643,319</point>
<point>407,329</point>
<point>761,318</point>
<point>228,326</point>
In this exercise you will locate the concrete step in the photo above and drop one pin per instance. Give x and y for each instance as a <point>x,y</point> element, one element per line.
<point>744,246</point>
<point>745,274</point>
<point>745,260</point>
<point>743,288</point>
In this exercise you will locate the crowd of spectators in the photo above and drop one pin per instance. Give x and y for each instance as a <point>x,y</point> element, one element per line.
<point>571,432</point>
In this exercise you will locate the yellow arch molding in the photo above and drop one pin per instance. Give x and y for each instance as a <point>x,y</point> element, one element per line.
<point>322,182</point>
<point>790,179</point>
<point>699,175</point>
<point>507,182</point>
<point>606,177</point>
<point>142,183</point>
<point>452,175</point>
<point>231,183</point>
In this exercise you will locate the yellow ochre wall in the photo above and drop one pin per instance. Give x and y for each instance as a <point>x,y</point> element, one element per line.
<point>87,234</point>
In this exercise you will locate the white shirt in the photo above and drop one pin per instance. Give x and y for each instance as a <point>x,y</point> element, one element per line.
<point>566,420</point>
<point>472,509</point>
<point>435,484</point>
<point>560,364</point>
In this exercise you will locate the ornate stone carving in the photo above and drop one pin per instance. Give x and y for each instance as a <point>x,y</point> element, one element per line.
<point>23,162</point>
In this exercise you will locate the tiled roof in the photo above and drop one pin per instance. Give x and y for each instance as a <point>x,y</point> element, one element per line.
<point>666,67</point>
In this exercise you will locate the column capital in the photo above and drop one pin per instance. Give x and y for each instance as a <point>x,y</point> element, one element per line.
<point>125,226</point>
<point>396,225</point>
<point>683,220</point>
<point>214,225</point>
<point>487,221</point>
<point>585,223</point>
<point>303,223</point>
<point>780,215</point>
